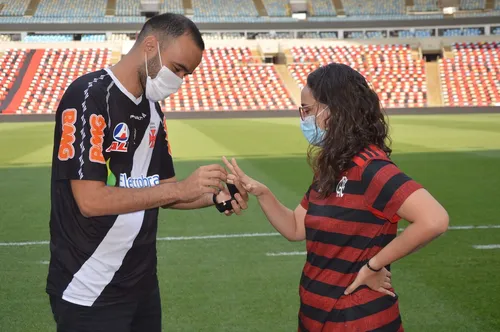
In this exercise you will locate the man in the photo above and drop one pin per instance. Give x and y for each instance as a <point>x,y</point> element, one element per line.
<point>111,170</point>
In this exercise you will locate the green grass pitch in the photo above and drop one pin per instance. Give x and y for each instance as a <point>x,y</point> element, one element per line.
<point>230,284</point>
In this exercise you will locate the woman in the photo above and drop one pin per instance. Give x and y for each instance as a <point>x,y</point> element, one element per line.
<point>349,214</point>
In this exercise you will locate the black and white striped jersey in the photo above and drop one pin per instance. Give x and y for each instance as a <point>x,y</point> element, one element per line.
<point>103,133</point>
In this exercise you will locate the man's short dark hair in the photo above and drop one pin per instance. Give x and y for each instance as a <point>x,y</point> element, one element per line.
<point>170,25</point>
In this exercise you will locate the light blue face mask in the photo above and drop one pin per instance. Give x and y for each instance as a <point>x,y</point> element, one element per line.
<point>311,131</point>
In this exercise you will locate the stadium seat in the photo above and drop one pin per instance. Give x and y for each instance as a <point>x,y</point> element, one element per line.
<point>274,35</point>
<point>472,4</point>
<point>10,64</point>
<point>94,38</point>
<point>463,32</point>
<point>128,8</point>
<point>224,8</point>
<point>425,5</point>
<point>398,79</point>
<point>322,8</point>
<point>223,36</point>
<point>373,7</point>
<point>418,33</point>
<point>277,7</point>
<point>64,8</point>
<point>58,68</point>
<point>172,6</point>
<point>471,77</point>
<point>48,38</point>
<point>231,79</point>
<point>119,36</point>
<point>14,7</point>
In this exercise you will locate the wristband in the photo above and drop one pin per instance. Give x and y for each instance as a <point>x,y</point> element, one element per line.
<point>371,268</point>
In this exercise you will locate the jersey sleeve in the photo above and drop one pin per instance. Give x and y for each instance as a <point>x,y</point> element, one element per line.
<point>81,125</point>
<point>167,163</point>
<point>387,188</point>
<point>305,200</point>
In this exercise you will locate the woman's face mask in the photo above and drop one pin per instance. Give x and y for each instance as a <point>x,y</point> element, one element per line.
<point>163,85</point>
<point>310,129</point>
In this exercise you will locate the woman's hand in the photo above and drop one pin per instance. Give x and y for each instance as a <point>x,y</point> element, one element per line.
<point>250,185</point>
<point>378,281</point>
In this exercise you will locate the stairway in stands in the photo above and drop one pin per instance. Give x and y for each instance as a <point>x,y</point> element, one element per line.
<point>23,80</point>
<point>32,7</point>
<point>17,83</point>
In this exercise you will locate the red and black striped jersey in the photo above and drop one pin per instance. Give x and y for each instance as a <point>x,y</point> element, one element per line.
<point>343,231</point>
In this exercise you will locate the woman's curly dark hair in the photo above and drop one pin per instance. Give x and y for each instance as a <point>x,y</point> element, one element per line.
<point>355,121</point>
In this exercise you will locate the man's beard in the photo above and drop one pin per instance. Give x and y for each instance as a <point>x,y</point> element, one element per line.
<point>153,69</point>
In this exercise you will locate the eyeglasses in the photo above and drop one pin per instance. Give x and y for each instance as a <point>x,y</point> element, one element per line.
<point>303,111</point>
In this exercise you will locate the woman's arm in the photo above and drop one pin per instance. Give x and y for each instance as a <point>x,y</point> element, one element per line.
<point>428,220</point>
<point>288,223</point>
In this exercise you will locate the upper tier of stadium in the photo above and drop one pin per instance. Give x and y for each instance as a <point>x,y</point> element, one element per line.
<point>238,77</point>
<point>129,11</point>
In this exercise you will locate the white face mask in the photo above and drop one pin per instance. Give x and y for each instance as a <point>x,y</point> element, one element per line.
<point>164,84</point>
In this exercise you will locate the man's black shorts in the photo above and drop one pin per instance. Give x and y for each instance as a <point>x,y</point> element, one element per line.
<point>141,316</point>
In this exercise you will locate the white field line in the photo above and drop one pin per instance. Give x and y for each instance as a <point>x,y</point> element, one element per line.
<point>226,236</point>
<point>487,246</point>
<point>291,253</point>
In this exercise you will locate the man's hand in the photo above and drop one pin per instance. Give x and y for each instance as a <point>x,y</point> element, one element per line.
<point>378,281</point>
<point>206,179</point>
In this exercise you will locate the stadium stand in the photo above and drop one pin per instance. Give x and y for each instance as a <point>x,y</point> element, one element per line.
<point>425,5</point>
<point>463,32</point>
<point>14,7</point>
<point>10,64</point>
<point>417,33</point>
<point>223,35</point>
<point>48,38</point>
<point>472,76</point>
<point>319,35</point>
<point>94,38</point>
<point>5,38</point>
<point>396,76</point>
<point>274,35</point>
<point>374,7</point>
<point>172,6</point>
<point>472,4</point>
<point>119,36</point>
<point>238,88</point>
<point>277,7</point>
<point>218,9</point>
<point>57,69</point>
<point>322,8</point>
<point>64,8</point>
<point>231,79</point>
<point>128,8</point>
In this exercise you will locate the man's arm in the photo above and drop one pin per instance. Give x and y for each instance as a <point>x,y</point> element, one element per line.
<point>94,198</point>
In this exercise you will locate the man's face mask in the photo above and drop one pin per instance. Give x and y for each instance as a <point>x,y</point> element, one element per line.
<point>164,84</point>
